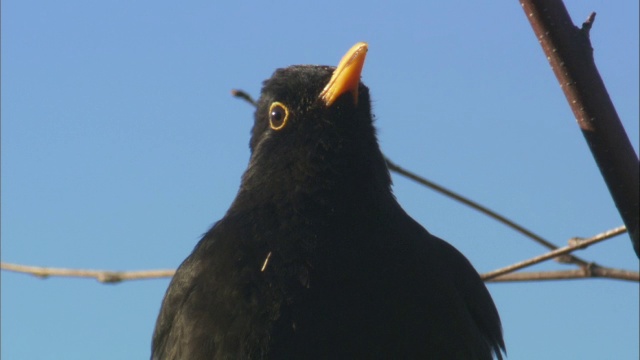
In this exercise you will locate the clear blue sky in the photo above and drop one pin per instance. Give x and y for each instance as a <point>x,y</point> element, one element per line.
<point>121,145</point>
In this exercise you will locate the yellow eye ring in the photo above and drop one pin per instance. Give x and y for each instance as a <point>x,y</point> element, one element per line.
<point>278,115</point>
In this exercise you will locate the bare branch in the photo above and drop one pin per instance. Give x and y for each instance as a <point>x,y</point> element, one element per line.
<point>244,96</point>
<point>577,244</point>
<point>586,26</point>
<point>570,54</point>
<point>588,272</point>
<point>103,276</point>
<point>492,214</point>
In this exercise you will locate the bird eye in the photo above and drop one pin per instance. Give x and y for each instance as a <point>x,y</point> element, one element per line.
<point>278,115</point>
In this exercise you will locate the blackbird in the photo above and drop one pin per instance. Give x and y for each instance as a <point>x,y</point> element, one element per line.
<point>315,258</point>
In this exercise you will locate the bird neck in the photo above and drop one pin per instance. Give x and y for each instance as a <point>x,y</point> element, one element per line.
<point>345,182</point>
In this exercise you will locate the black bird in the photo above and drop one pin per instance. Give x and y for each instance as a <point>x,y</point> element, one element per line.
<point>315,259</point>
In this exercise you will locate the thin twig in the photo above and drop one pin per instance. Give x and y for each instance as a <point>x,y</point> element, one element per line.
<point>492,214</point>
<point>103,276</point>
<point>588,272</point>
<point>579,244</point>
<point>244,96</point>
<point>586,26</point>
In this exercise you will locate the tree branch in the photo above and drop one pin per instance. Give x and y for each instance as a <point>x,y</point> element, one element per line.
<point>570,54</point>
<point>103,276</point>
<point>240,94</point>
<point>574,244</point>
<point>492,214</point>
<point>589,272</point>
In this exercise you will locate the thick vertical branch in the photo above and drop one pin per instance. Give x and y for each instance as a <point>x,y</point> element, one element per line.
<point>570,54</point>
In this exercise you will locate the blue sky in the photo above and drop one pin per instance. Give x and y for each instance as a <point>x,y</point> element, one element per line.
<point>121,145</point>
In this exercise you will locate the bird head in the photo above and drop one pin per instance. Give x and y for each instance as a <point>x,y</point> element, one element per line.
<point>314,128</point>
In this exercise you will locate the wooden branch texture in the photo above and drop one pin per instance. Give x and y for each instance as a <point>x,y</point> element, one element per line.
<point>568,49</point>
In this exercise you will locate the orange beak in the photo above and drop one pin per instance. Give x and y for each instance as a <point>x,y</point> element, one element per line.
<point>346,77</point>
